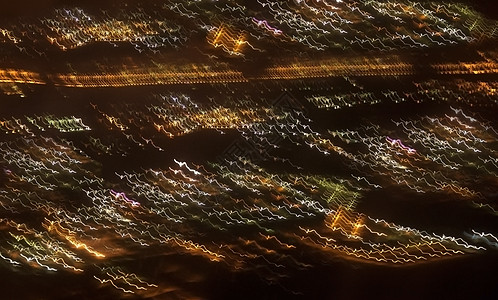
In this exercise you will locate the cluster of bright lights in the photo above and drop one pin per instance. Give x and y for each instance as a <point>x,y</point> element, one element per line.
<point>313,25</point>
<point>480,93</point>
<point>73,28</point>
<point>256,207</point>
<point>27,126</point>
<point>164,75</point>
<point>184,208</point>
